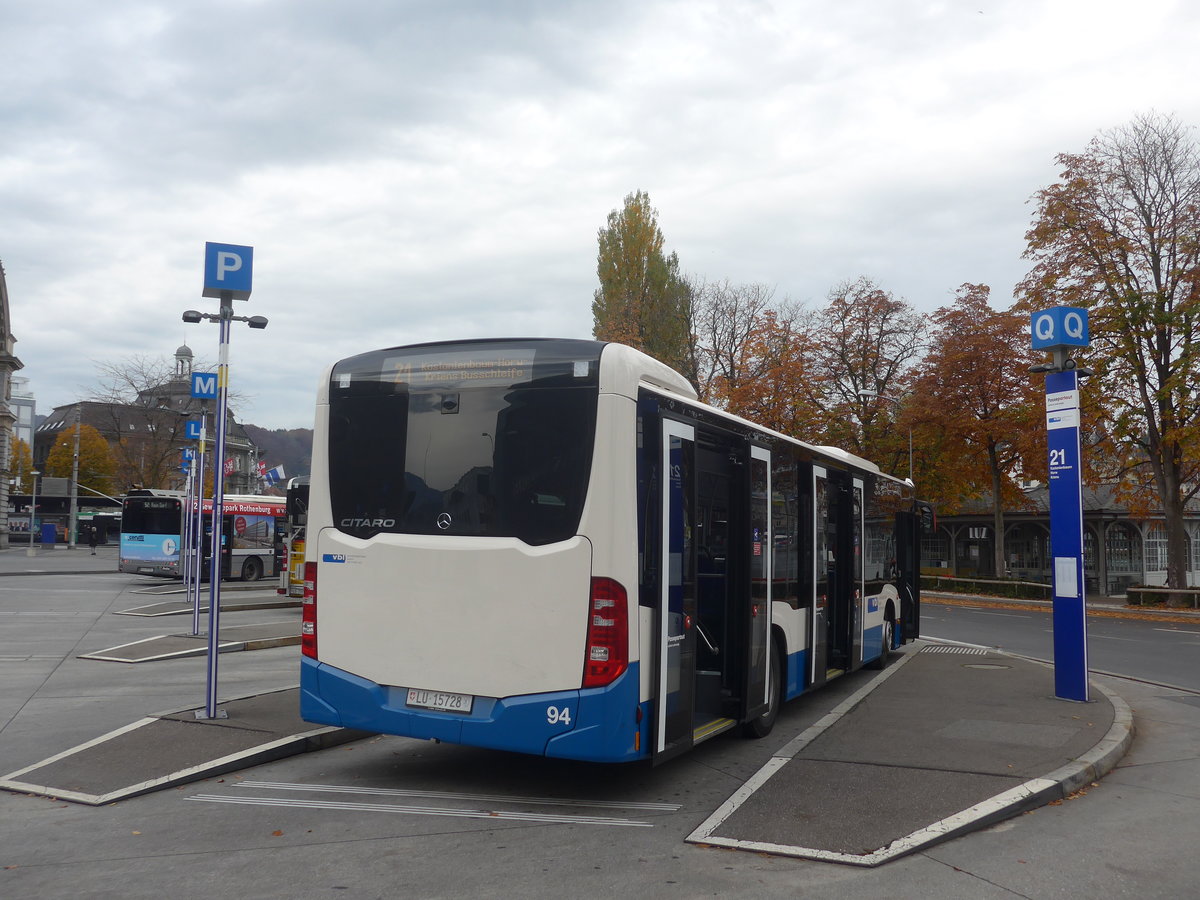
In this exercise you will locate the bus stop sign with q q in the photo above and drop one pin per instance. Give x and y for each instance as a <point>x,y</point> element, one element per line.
<point>1059,326</point>
<point>228,269</point>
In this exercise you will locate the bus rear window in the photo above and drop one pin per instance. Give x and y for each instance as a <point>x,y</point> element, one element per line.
<point>493,439</point>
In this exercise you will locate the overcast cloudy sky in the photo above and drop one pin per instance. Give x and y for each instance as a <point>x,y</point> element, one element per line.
<point>412,171</point>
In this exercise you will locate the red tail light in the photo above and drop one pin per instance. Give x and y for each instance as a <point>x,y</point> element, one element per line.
<point>607,634</point>
<point>308,612</point>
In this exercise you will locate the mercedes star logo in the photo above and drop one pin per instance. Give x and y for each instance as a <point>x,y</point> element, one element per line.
<point>444,521</point>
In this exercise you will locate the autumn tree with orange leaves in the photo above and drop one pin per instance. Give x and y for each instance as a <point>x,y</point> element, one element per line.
<point>778,390</point>
<point>981,407</point>
<point>1119,233</point>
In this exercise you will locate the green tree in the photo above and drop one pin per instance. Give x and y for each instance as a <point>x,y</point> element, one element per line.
<point>1120,234</point>
<point>96,465</point>
<point>642,300</point>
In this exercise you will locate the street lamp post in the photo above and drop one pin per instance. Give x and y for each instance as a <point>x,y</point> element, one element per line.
<point>32,551</point>
<point>898,403</point>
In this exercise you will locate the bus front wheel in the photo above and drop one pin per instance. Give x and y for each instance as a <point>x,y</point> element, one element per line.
<point>252,569</point>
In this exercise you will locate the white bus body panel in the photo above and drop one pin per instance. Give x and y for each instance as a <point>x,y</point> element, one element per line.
<point>490,617</point>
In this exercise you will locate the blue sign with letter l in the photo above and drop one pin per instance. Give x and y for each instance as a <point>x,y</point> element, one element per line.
<point>228,269</point>
<point>191,429</point>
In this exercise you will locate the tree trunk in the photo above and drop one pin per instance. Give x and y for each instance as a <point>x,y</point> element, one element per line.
<point>997,516</point>
<point>1173,514</point>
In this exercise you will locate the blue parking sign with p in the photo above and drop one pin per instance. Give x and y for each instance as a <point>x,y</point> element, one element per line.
<point>204,386</point>
<point>228,270</point>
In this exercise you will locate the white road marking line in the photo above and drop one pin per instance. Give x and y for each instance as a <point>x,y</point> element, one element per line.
<point>446,795</point>
<point>490,814</point>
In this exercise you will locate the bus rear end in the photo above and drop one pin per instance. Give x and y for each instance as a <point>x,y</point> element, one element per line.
<point>449,591</point>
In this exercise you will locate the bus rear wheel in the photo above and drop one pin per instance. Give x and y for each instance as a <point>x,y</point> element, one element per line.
<point>252,569</point>
<point>886,646</point>
<point>761,726</point>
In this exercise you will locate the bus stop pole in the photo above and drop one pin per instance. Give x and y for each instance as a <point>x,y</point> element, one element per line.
<point>218,531</point>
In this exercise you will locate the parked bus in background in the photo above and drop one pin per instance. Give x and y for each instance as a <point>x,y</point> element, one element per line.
<point>291,573</point>
<point>152,533</point>
<point>552,547</point>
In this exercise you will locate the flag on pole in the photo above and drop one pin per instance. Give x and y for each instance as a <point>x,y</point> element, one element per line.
<point>262,470</point>
<point>229,466</point>
<point>275,475</point>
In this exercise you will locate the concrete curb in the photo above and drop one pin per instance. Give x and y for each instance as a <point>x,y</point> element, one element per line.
<point>1035,793</point>
<point>1102,758</point>
<point>258,751</point>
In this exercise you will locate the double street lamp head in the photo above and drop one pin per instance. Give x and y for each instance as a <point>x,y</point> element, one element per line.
<point>194,316</point>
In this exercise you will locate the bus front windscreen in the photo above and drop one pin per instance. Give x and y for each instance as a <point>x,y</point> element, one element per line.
<point>492,438</point>
<point>150,515</point>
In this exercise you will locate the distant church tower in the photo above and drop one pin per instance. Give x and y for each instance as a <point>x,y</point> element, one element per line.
<point>8,364</point>
<point>183,364</point>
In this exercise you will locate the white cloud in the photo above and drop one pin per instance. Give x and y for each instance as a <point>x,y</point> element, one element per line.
<point>428,170</point>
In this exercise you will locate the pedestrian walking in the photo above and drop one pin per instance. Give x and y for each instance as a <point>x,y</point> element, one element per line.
<point>93,537</point>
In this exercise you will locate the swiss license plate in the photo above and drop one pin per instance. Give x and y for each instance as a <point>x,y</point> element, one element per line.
<point>441,701</point>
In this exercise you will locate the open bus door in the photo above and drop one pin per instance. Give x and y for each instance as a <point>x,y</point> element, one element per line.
<point>713,610</point>
<point>756,611</point>
<point>676,663</point>
<point>910,527</point>
<point>836,624</point>
<point>226,547</point>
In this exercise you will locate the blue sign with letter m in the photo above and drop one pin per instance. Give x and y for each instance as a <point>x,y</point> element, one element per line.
<point>204,385</point>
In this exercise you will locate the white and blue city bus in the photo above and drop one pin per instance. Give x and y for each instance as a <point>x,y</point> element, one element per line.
<point>552,547</point>
<point>152,533</point>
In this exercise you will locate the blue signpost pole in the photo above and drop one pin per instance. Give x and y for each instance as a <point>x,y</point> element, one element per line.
<point>228,272</point>
<point>185,546</point>
<point>1066,536</point>
<point>218,531</point>
<point>1058,330</point>
<point>197,514</point>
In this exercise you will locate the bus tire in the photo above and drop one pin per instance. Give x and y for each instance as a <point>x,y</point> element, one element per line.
<point>252,569</point>
<point>760,726</point>
<point>886,647</point>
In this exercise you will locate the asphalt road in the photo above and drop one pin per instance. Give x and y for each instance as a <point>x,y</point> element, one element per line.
<point>1150,650</point>
<point>389,817</point>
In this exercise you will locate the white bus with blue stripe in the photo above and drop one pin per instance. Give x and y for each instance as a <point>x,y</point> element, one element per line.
<point>552,547</point>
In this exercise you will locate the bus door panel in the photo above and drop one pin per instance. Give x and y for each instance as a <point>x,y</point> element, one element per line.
<point>226,546</point>
<point>676,662</point>
<point>714,568</point>
<point>908,573</point>
<point>857,575</point>
<point>839,572</point>
<point>824,533</point>
<point>757,611</point>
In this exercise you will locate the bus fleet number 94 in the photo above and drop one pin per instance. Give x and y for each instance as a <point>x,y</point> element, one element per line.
<point>556,716</point>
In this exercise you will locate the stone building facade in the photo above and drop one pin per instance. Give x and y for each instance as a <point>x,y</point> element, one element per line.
<point>8,418</point>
